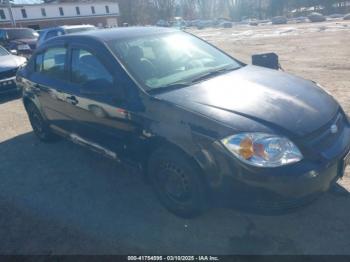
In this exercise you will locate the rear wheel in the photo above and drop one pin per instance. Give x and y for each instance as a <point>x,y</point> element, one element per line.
<point>177,182</point>
<point>40,127</point>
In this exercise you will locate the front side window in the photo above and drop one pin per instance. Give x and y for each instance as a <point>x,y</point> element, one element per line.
<point>2,14</point>
<point>87,67</point>
<point>77,9</point>
<point>43,12</point>
<point>61,11</point>
<point>24,13</point>
<point>107,9</point>
<point>93,9</point>
<point>161,60</point>
<point>53,63</point>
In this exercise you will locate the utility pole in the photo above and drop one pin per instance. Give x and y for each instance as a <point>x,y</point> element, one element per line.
<point>9,8</point>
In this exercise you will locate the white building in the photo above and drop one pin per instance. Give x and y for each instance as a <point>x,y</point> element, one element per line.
<point>38,16</point>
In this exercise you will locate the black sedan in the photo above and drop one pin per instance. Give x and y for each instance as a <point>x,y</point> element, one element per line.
<point>9,65</point>
<point>202,125</point>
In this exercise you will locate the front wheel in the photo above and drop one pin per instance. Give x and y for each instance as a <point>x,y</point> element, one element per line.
<point>177,182</point>
<point>40,127</point>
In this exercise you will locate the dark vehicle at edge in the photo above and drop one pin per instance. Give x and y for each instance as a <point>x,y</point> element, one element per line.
<point>22,40</point>
<point>202,125</point>
<point>9,65</point>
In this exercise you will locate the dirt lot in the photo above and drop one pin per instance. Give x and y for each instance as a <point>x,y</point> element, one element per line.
<point>61,199</point>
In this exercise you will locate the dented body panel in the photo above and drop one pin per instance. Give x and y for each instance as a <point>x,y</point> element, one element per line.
<point>195,119</point>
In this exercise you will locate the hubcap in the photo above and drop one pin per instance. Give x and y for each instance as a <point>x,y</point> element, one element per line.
<point>175,183</point>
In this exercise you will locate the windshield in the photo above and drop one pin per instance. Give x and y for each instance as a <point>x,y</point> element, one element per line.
<point>159,61</point>
<point>26,33</point>
<point>3,51</point>
<point>79,29</point>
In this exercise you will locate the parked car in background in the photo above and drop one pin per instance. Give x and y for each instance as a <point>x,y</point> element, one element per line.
<point>201,24</point>
<point>9,65</point>
<point>49,33</point>
<point>162,23</point>
<point>201,124</point>
<point>22,40</point>
<point>279,20</point>
<point>336,16</point>
<point>316,17</point>
<point>179,23</point>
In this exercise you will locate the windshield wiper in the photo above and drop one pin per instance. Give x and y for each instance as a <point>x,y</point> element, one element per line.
<point>213,73</point>
<point>170,87</point>
<point>178,85</point>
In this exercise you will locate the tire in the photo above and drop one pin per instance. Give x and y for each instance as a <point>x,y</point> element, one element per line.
<point>40,127</point>
<point>177,182</point>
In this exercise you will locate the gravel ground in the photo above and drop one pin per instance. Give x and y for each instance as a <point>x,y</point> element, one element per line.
<point>62,199</point>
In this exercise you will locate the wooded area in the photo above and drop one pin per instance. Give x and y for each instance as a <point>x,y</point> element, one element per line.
<point>149,11</point>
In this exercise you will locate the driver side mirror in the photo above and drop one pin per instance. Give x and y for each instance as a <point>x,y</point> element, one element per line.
<point>269,60</point>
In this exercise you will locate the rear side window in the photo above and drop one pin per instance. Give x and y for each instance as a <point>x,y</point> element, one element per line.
<point>87,67</point>
<point>52,62</point>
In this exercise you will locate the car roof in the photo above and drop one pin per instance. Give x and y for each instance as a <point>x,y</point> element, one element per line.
<point>66,27</point>
<point>75,26</point>
<point>108,34</point>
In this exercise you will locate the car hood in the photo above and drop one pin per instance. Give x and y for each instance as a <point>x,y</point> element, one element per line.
<point>265,97</point>
<point>11,61</point>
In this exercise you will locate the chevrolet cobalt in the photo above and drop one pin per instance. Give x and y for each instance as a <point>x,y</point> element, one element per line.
<point>200,124</point>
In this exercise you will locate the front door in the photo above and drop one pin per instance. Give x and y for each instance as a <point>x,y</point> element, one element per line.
<point>99,117</point>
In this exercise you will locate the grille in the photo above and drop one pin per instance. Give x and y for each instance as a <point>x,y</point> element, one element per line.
<point>324,138</point>
<point>8,73</point>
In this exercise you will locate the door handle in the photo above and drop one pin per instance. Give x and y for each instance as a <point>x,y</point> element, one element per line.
<point>72,100</point>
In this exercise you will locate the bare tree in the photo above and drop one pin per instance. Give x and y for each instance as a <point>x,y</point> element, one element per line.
<point>165,8</point>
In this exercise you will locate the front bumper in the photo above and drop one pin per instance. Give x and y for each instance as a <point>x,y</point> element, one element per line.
<point>8,85</point>
<point>236,183</point>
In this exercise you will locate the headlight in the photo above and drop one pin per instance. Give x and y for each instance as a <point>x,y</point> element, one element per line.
<point>263,150</point>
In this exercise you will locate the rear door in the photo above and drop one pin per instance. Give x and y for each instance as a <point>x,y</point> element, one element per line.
<point>50,82</point>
